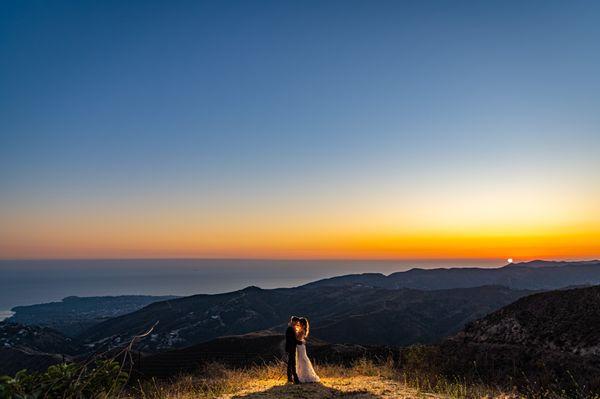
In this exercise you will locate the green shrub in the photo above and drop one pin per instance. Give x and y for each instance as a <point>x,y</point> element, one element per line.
<point>102,379</point>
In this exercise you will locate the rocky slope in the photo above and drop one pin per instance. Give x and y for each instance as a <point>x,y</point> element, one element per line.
<point>544,340</point>
<point>566,321</point>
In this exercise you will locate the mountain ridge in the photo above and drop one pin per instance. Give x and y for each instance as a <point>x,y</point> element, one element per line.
<point>534,275</point>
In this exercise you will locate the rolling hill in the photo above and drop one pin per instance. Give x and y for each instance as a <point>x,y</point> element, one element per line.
<point>353,314</point>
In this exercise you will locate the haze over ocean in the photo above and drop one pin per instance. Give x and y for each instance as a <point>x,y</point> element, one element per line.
<point>25,282</point>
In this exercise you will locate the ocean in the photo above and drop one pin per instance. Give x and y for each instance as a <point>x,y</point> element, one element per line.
<point>26,282</point>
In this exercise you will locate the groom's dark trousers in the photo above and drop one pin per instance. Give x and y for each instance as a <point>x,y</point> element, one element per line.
<point>290,348</point>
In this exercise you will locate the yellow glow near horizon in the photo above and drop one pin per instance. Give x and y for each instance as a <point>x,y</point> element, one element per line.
<point>177,241</point>
<point>529,223</point>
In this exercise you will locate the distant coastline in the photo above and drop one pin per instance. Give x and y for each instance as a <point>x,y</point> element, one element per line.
<point>28,282</point>
<point>5,314</point>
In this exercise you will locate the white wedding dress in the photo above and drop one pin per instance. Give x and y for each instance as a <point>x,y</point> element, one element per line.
<point>304,368</point>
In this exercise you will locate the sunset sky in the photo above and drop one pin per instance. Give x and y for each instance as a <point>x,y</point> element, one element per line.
<point>305,129</point>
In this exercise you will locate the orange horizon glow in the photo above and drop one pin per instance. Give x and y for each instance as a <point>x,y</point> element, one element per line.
<point>549,245</point>
<point>535,222</point>
<point>567,242</point>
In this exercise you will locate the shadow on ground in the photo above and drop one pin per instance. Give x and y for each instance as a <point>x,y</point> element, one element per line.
<point>303,391</point>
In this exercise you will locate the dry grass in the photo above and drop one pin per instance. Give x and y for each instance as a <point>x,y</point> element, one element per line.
<point>364,380</point>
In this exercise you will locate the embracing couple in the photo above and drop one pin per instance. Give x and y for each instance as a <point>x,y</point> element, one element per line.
<point>299,367</point>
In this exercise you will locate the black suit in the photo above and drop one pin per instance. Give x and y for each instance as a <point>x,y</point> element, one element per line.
<point>290,348</point>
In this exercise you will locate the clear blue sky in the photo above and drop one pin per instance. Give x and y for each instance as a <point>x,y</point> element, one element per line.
<point>274,108</point>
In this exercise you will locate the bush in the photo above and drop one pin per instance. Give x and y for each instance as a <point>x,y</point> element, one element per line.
<point>102,379</point>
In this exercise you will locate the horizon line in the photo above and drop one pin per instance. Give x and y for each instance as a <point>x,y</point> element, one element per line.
<point>316,259</point>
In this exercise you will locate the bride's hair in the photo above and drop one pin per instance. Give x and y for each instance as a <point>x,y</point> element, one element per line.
<point>305,326</point>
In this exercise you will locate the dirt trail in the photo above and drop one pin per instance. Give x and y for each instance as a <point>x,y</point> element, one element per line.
<point>358,387</point>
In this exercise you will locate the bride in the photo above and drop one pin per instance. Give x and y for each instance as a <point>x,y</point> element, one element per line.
<point>304,368</point>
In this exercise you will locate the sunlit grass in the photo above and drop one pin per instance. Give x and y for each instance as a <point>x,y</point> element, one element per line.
<point>363,380</point>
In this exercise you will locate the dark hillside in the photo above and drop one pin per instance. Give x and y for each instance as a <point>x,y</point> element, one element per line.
<point>547,339</point>
<point>339,315</point>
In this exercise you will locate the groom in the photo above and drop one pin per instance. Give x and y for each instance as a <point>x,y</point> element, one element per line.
<point>290,348</point>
